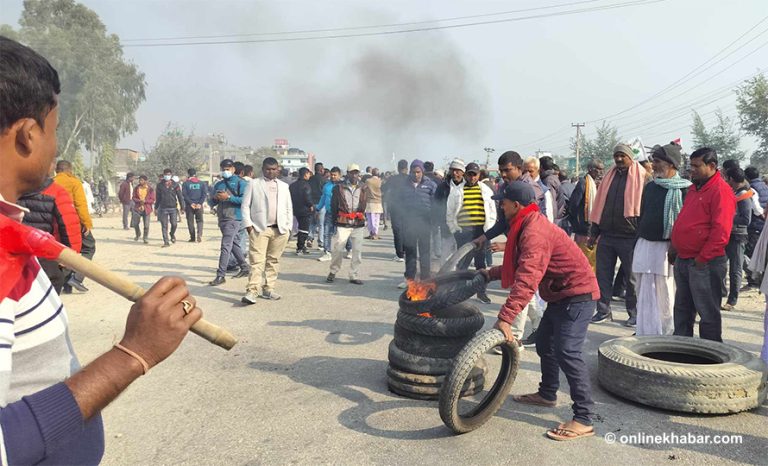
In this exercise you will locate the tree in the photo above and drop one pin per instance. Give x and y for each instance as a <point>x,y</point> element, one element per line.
<point>752,104</point>
<point>106,165</point>
<point>723,137</point>
<point>174,149</point>
<point>599,148</point>
<point>101,91</point>
<point>258,156</point>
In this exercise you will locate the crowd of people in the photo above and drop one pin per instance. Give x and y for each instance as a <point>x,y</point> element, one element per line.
<point>682,233</point>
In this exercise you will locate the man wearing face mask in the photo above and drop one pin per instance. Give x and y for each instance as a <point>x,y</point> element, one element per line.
<point>419,191</point>
<point>167,199</point>
<point>227,197</point>
<point>614,220</point>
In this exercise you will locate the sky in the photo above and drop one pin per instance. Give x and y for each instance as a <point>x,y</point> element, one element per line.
<point>439,93</point>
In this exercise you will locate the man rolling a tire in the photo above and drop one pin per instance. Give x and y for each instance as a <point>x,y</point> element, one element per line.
<point>539,254</point>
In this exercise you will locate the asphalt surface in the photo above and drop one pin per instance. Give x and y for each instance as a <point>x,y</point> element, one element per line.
<point>306,384</point>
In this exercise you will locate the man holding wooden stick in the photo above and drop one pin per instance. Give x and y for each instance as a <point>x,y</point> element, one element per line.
<point>49,409</point>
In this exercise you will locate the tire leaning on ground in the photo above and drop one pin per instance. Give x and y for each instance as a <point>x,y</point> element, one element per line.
<point>417,364</point>
<point>735,382</point>
<point>455,321</point>
<point>450,392</point>
<point>424,345</point>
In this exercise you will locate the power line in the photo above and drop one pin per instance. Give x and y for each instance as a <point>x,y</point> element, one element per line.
<point>404,31</point>
<point>356,28</point>
<point>683,79</point>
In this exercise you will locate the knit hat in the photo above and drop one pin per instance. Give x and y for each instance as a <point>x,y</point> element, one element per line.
<point>670,153</point>
<point>417,163</point>
<point>457,164</point>
<point>624,149</point>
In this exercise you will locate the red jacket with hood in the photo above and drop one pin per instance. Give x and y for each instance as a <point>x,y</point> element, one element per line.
<point>548,259</point>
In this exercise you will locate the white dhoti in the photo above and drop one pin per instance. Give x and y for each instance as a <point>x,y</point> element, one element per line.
<point>655,288</point>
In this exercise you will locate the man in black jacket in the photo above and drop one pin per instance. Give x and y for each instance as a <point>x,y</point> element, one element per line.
<point>580,206</point>
<point>168,199</point>
<point>316,183</point>
<point>738,239</point>
<point>455,180</point>
<point>303,208</point>
<point>394,190</point>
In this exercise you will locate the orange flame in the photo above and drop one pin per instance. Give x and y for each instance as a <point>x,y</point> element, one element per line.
<point>426,314</point>
<point>420,291</point>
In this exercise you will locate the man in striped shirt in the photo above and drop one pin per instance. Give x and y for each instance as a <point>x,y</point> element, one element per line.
<point>49,408</point>
<point>471,211</point>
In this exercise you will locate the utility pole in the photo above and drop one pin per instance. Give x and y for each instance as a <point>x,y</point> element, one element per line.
<point>488,151</point>
<point>578,127</point>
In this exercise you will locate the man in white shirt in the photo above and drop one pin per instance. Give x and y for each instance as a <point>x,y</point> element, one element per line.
<point>267,216</point>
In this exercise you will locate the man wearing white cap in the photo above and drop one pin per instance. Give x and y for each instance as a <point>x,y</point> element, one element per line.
<point>454,180</point>
<point>348,209</point>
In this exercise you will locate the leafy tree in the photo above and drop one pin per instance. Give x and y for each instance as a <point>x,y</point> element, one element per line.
<point>600,147</point>
<point>101,91</point>
<point>722,137</point>
<point>174,149</point>
<point>752,104</point>
<point>105,168</point>
<point>258,156</point>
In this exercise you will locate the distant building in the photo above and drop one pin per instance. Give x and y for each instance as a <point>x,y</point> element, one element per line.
<point>126,160</point>
<point>291,158</point>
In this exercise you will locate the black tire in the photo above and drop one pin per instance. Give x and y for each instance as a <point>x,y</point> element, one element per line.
<point>426,392</point>
<point>432,380</point>
<point>417,364</point>
<point>423,345</point>
<point>452,288</point>
<point>459,260</point>
<point>462,366</point>
<point>736,382</point>
<point>454,321</point>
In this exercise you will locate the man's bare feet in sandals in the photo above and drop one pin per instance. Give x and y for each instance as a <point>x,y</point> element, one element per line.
<point>571,430</point>
<point>534,399</point>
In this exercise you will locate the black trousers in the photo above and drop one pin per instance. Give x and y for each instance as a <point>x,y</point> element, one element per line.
<point>417,233</point>
<point>194,219</point>
<point>610,248</point>
<point>304,221</point>
<point>137,218</point>
<point>699,290</point>
<point>397,232</point>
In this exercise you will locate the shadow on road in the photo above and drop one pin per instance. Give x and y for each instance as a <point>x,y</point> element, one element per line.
<point>344,332</point>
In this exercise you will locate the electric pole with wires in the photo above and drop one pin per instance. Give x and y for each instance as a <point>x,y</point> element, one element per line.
<point>578,127</point>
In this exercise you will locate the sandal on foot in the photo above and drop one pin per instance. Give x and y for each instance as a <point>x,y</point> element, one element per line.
<point>561,434</point>
<point>534,399</point>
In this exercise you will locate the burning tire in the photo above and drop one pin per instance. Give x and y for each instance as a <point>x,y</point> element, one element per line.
<point>424,345</point>
<point>455,321</point>
<point>446,290</point>
<point>450,393</point>
<point>682,374</point>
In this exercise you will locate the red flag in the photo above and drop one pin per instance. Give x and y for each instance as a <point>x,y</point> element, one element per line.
<point>19,243</point>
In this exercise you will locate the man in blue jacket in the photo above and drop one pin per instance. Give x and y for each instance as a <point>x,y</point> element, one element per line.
<point>227,197</point>
<point>324,205</point>
<point>194,193</point>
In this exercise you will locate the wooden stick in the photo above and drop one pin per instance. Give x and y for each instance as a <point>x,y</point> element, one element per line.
<point>131,291</point>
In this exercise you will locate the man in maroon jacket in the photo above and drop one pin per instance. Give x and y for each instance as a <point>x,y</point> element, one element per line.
<point>699,237</point>
<point>125,194</point>
<point>538,254</point>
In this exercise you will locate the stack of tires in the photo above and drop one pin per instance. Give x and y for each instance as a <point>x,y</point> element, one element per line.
<point>424,346</point>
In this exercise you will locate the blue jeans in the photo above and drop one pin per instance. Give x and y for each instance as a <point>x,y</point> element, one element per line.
<point>328,230</point>
<point>559,340</point>
<point>241,238</point>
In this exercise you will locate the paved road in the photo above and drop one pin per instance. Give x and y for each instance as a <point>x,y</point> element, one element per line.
<point>306,384</point>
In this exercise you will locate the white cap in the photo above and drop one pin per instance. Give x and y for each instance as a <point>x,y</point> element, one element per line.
<point>352,167</point>
<point>458,164</point>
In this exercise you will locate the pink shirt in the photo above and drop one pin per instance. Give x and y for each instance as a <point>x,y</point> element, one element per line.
<point>271,188</point>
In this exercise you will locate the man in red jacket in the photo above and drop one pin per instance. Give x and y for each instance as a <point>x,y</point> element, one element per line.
<point>538,254</point>
<point>699,237</point>
<point>124,194</point>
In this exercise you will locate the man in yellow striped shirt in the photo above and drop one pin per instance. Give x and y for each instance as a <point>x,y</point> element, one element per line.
<point>471,211</point>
